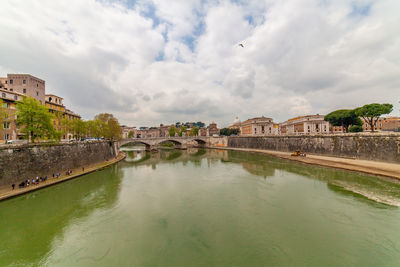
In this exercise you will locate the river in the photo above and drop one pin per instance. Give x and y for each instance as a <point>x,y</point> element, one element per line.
<point>205,208</point>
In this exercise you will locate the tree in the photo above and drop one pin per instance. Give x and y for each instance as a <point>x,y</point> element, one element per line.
<point>34,119</point>
<point>130,134</point>
<point>371,113</point>
<point>4,115</point>
<point>172,131</point>
<point>182,130</point>
<point>200,124</point>
<point>344,118</point>
<point>110,128</point>
<point>79,128</point>
<point>229,132</point>
<point>194,131</point>
<point>355,129</point>
<point>94,128</point>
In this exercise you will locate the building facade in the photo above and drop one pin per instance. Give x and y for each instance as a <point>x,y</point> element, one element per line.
<point>14,88</point>
<point>310,124</point>
<point>390,124</point>
<point>258,126</point>
<point>61,114</point>
<point>213,129</point>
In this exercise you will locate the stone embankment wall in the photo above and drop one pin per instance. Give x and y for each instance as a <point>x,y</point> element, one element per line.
<point>21,162</point>
<point>379,147</point>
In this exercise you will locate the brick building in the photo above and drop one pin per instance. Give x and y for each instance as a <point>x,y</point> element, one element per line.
<point>16,86</point>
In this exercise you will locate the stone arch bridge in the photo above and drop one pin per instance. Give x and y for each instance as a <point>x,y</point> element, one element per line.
<point>179,142</point>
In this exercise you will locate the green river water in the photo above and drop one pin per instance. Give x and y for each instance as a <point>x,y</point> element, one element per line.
<point>205,208</point>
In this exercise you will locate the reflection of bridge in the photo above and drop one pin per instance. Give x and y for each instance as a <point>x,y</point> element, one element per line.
<point>179,142</point>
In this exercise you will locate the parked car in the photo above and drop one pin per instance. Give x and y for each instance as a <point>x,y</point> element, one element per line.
<point>9,142</point>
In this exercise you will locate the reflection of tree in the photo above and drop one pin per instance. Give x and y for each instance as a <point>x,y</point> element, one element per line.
<point>257,169</point>
<point>199,153</point>
<point>31,223</point>
<point>174,155</point>
<point>371,187</point>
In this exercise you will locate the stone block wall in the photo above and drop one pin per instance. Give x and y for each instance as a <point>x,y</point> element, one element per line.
<point>379,147</point>
<point>18,163</point>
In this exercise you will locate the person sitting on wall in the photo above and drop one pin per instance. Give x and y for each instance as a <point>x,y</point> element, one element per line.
<point>21,185</point>
<point>13,186</point>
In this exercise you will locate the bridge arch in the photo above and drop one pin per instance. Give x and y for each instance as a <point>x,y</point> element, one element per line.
<point>175,142</point>
<point>136,142</point>
<point>200,142</point>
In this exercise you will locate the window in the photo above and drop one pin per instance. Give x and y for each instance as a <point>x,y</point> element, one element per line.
<point>6,125</point>
<point>37,93</point>
<point>24,90</point>
<point>24,81</point>
<point>15,97</point>
<point>11,89</point>
<point>255,130</point>
<point>262,129</point>
<point>11,81</point>
<point>6,136</point>
<point>3,94</point>
<point>50,100</point>
<point>6,82</point>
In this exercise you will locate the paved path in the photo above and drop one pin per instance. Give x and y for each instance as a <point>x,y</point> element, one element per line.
<point>7,192</point>
<point>391,170</point>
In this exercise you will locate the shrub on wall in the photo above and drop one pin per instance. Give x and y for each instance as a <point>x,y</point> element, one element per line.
<point>355,129</point>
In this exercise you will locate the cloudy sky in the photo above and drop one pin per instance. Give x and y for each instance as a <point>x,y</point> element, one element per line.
<point>161,61</point>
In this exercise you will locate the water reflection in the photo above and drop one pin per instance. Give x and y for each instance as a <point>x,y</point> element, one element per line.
<point>373,188</point>
<point>179,207</point>
<point>41,217</point>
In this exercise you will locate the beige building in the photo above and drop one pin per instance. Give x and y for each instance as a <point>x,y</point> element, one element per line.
<point>126,130</point>
<point>391,124</point>
<point>310,124</point>
<point>258,126</point>
<point>55,105</point>
<point>16,86</point>
<point>24,84</point>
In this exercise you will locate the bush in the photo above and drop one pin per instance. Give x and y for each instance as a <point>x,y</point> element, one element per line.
<point>355,129</point>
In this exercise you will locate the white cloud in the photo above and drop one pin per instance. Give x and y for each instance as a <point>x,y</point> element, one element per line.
<point>163,61</point>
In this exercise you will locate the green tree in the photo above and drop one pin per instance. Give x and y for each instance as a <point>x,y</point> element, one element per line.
<point>344,118</point>
<point>110,127</point>
<point>371,113</point>
<point>34,119</point>
<point>182,130</point>
<point>229,132</point>
<point>355,129</point>
<point>194,131</point>
<point>172,130</point>
<point>130,134</point>
<point>4,114</point>
<point>95,128</point>
<point>79,128</point>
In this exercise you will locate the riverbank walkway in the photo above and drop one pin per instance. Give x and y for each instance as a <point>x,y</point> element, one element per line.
<point>391,170</point>
<point>7,192</point>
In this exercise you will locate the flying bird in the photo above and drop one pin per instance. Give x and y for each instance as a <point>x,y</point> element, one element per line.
<point>241,45</point>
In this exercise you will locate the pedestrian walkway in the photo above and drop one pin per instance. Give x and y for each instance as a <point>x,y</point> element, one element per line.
<point>7,192</point>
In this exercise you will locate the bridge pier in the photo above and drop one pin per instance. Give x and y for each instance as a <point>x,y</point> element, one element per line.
<point>151,148</point>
